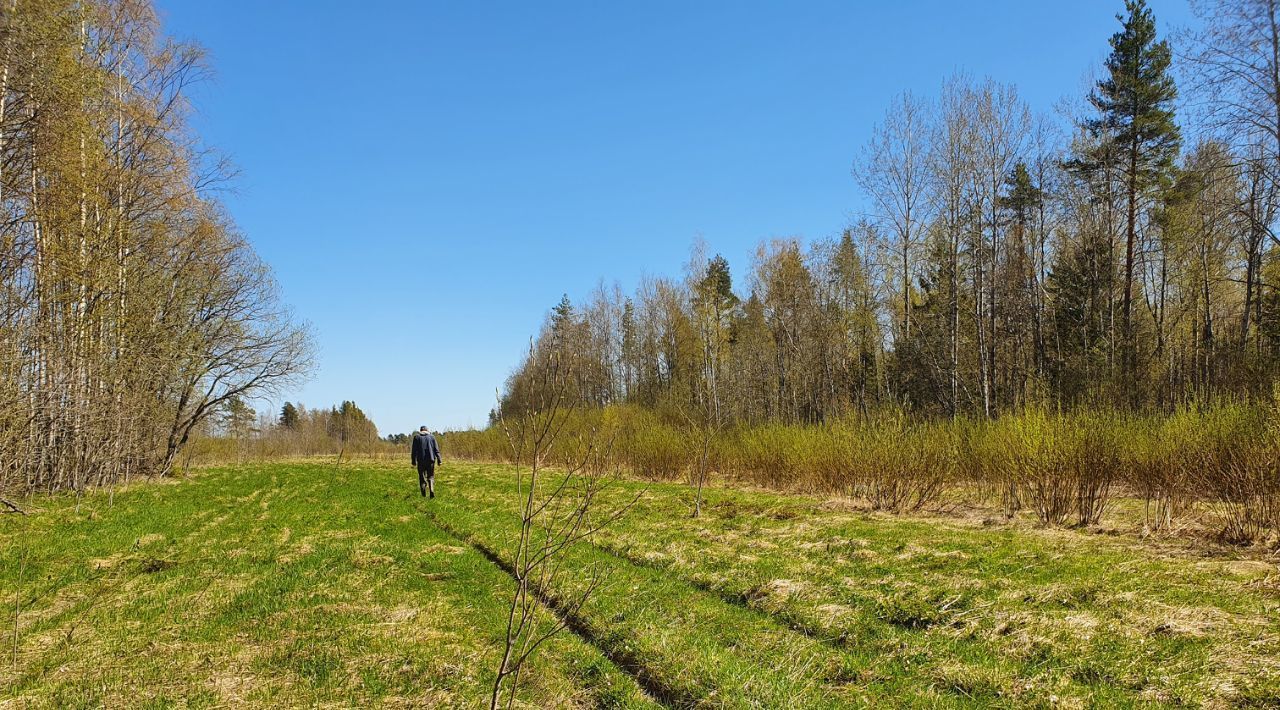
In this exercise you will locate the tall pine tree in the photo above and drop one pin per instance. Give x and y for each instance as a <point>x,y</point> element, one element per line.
<point>1136,122</point>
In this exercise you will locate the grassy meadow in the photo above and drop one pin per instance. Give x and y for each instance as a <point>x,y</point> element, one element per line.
<point>302,584</point>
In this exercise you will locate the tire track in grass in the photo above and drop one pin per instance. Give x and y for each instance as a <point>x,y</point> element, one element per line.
<point>627,662</point>
<point>742,667</point>
<point>785,621</point>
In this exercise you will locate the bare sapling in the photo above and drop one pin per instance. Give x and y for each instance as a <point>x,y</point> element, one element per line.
<point>17,603</point>
<point>704,424</point>
<point>558,509</point>
<point>708,430</point>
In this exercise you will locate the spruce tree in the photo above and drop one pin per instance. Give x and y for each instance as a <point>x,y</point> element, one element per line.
<point>563,322</point>
<point>630,348</point>
<point>1022,198</point>
<point>289,416</point>
<point>1024,307</point>
<point>856,315</point>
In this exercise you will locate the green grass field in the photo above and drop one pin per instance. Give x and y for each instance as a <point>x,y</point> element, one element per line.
<point>303,585</point>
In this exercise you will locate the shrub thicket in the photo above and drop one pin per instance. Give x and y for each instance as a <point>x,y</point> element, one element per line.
<point>1216,463</point>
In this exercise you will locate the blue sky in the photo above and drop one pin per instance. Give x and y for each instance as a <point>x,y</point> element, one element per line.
<point>427,178</point>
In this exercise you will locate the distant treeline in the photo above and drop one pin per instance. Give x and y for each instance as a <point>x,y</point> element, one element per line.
<point>131,308</point>
<point>1008,260</point>
<point>239,432</point>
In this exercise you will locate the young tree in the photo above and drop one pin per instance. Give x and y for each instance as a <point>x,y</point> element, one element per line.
<point>629,355</point>
<point>236,418</point>
<point>850,304</point>
<point>348,424</point>
<point>787,292</point>
<point>753,360</point>
<point>1020,204</point>
<point>557,511</point>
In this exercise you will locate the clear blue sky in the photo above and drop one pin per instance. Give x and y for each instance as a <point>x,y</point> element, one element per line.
<point>427,178</point>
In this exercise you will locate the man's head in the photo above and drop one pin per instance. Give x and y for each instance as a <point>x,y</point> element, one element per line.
<point>423,429</point>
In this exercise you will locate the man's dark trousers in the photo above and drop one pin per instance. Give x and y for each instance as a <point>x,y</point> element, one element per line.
<point>427,477</point>
<point>425,454</point>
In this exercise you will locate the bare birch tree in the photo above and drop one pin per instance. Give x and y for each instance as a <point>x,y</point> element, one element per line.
<point>893,171</point>
<point>129,305</point>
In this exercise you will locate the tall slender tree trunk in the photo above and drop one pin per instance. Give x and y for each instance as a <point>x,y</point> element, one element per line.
<point>992,405</point>
<point>1108,315</point>
<point>1207,335</point>
<point>8,28</point>
<point>980,276</point>
<point>1128,359</point>
<point>906,286</point>
<point>1251,252</point>
<point>954,316</point>
<point>1273,27</point>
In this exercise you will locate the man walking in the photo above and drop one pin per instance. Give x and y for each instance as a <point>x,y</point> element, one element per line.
<point>425,454</point>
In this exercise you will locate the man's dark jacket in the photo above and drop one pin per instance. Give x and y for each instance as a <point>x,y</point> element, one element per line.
<point>424,451</point>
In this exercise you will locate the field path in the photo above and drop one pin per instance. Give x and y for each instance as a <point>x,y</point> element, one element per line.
<point>646,677</point>
<point>689,644</point>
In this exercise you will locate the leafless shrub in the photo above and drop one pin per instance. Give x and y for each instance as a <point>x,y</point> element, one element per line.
<point>1234,466</point>
<point>901,468</point>
<point>1157,461</point>
<point>1065,466</point>
<point>558,509</point>
<point>1245,493</point>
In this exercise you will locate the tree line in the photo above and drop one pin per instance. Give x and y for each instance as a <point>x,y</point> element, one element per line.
<point>1118,254</point>
<point>131,308</point>
<point>237,431</point>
